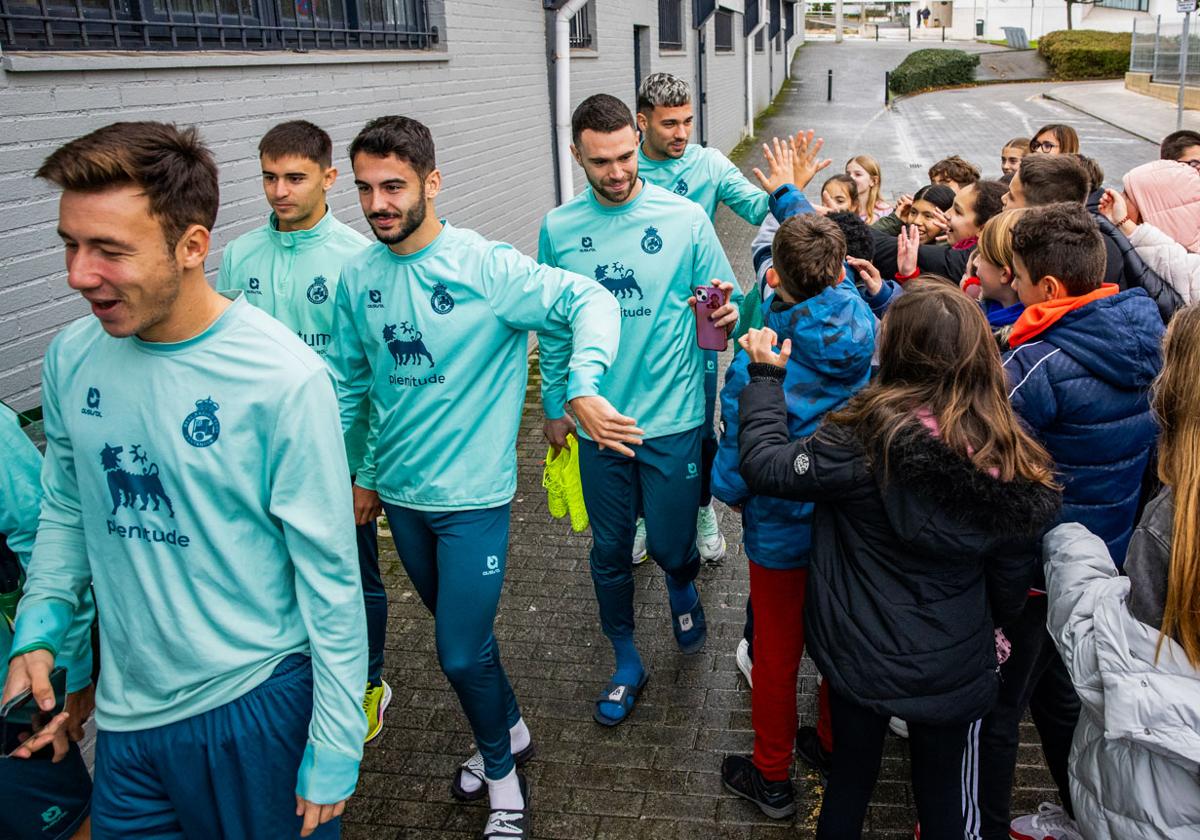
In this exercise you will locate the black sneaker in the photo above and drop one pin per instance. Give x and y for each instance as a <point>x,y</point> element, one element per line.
<point>775,799</point>
<point>808,747</point>
<point>509,825</point>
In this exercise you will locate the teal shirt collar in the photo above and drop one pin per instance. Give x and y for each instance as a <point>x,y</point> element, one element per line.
<point>224,321</point>
<point>428,251</point>
<point>627,207</point>
<point>301,238</point>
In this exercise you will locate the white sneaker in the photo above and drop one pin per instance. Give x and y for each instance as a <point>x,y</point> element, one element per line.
<point>709,540</point>
<point>639,543</point>
<point>899,727</point>
<point>1049,823</point>
<point>743,661</point>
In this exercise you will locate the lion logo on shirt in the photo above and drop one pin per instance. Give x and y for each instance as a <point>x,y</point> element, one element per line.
<point>128,488</point>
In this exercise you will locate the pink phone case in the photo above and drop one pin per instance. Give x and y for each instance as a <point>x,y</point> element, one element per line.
<point>708,335</point>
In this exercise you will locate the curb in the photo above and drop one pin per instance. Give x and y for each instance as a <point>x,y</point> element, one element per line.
<point>1050,95</point>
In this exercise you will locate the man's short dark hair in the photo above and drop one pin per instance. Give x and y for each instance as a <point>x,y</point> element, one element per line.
<point>859,242</point>
<point>939,195</point>
<point>1046,179</point>
<point>298,138</point>
<point>170,165</point>
<point>1177,142</point>
<point>989,200</point>
<point>404,137</point>
<point>955,169</point>
<point>807,254</point>
<point>601,113</point>
<point>1061,240</point>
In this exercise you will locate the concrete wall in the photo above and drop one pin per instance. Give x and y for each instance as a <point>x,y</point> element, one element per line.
<point>484,91</point>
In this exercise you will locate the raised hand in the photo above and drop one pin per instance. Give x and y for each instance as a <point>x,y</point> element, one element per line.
<point>760,346</point>
<point>1113,206</point>
<point>869,274</point>
<point>907,245</point>
<point>805,162</point>
<point>779,156</point>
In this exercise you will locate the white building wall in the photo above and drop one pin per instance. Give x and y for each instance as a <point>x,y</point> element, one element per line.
<point>484,92</point>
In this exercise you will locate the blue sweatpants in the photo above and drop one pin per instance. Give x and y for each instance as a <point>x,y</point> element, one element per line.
<point>42,799</point>
<point>375,599</point>
<point>663,478</point>
<point>229,772</point>
<point>455,560</point>
<point>708,447</point>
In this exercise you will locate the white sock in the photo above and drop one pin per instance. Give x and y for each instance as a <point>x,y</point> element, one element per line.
<point>506,793</point>
<point>519,738</point>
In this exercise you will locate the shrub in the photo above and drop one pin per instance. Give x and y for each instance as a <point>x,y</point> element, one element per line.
<point>1086,53</point>
<point>933,68</point>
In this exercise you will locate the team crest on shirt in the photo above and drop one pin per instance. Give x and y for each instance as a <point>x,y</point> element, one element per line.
<point>252,286</point>
<point>202,428</point>
<point>651,242</point>
<point>318,292</point>
<point>441,301</point>
<point>681,187</point>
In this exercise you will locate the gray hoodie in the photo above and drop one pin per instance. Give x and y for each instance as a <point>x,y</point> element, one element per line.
<point>1135,759</point>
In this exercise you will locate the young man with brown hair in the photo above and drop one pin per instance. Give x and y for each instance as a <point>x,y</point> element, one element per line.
<point>954,172</point>
<point>289,268</point>
<point>1084,355</point>
<point>196,478</point>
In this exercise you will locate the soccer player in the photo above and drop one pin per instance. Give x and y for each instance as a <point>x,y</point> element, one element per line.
<point>432,325</point>
<point>289,268</point>
<point>46,799</point>
<point>702,174</point>
<point>196,478</point>
<point>649,248</point>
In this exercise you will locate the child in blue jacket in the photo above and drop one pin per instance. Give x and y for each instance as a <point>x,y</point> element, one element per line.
<point>831,332</point>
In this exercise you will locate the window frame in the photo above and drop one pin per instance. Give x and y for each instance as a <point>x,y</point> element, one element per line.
<point>677,27</point>
<point>721,19</point>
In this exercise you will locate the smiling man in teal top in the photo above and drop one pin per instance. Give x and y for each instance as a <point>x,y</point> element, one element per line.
<point>195,477</point>
<point>432,326</point>
<point>649,249</point>
<point>701,174</point>
<point>289,268</point>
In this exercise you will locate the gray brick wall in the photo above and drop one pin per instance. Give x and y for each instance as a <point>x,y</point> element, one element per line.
<point>484,94</point>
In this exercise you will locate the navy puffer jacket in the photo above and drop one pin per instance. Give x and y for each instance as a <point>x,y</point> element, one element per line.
<point>1082,387</point>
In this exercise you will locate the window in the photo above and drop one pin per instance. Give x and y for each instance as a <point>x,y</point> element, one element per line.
<point>779,43</point>
<point>214,24</point>
<point>723,22</point>
<point>581,28</point>
<point>670,24</point>
<point>760,41</point>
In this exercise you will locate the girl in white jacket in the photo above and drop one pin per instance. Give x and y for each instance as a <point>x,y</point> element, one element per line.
<point>1170,260</point>
<point>1132,645</point>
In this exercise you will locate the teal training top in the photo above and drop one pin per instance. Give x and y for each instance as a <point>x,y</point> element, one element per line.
<point>708,178</point>
<point>200,486</point>
<point>650,253</point>
<point>293,276</point>
<point>20,503</point>
<point>439,341</point>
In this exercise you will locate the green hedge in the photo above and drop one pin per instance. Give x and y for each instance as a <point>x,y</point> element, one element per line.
<point>1086,53</point>
<point>933,68</point>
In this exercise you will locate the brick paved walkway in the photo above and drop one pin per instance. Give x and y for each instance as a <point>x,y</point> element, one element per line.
<point>657,775</point>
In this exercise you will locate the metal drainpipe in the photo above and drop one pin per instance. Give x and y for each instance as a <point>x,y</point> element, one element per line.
<point>562,97</point>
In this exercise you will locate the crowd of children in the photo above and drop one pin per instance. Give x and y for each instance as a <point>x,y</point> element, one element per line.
<point>943,455</point>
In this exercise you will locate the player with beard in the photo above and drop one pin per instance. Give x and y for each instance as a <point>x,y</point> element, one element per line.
<point>650,249</point>
<point>289,268</point>
<point>702,174</point>
<point>431,326</point>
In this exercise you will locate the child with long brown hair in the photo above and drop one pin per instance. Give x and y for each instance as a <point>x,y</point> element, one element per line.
<point>1132,645</point>
<point>868,178</point>
<point>930,500</point>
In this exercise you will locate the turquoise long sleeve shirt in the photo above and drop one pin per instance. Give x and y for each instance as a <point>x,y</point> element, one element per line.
<point>649,254</point>
<point>200,486</point>
<point>20,505</point>
<point>292,276</point>
<point>437,340</point>
<point>707,177</point>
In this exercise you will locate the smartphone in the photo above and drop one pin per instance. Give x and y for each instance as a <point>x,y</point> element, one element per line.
<point>708,335</point>
<point>21,715</point>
